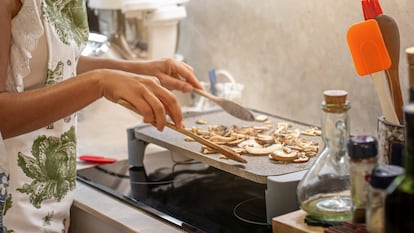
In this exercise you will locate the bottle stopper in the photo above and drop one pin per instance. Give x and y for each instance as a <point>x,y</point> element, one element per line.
<point>410,58</point>
<point>410,55</point>
<point>335,96</point>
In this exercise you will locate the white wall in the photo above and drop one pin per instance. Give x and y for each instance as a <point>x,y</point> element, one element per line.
<point>287,52</point>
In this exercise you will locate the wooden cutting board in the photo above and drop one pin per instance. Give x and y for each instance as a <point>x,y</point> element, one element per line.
<point>293,223</point>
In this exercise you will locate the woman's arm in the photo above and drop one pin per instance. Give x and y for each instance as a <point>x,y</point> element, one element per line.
<point>33,109</point>
<point>172,74</point>
<point>30,110</point>
<point>8,9</point>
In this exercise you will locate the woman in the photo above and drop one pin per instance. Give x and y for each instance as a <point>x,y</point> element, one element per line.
<point>43,83</point>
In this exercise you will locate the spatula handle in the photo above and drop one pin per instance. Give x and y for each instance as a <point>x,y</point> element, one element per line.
<point>205,94</point>
<point>383,92</point>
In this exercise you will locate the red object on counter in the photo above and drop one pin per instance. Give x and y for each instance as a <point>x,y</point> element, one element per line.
<point>371,9</point>
<point>96,159</point>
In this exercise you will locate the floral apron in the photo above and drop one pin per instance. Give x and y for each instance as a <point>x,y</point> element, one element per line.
<point>42,163</point>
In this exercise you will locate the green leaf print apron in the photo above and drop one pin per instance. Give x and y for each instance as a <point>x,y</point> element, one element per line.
<point>42,163</point>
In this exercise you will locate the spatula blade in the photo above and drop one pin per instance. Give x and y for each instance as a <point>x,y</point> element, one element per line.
<point>236,110</point>
<point>229,106</point>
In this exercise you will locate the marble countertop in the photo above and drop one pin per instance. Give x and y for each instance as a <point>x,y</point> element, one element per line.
<point>102,131</point>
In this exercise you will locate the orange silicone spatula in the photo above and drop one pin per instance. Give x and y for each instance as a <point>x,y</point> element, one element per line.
<point>371,57</point>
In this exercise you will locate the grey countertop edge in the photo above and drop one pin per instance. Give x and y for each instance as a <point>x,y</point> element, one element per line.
<point>118,214</point>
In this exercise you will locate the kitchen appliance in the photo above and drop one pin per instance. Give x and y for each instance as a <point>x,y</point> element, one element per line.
<point>199,192</point>
<point>140,29</point>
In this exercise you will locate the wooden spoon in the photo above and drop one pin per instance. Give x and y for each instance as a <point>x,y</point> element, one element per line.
<point>391,36</point>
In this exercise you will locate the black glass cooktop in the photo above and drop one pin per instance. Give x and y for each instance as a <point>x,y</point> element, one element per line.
<point>189,194</point>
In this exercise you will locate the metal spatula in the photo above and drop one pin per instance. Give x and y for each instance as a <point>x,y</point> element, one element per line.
<point>229,106</point>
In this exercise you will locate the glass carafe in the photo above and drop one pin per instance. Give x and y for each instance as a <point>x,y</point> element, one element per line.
<point>324,191</point>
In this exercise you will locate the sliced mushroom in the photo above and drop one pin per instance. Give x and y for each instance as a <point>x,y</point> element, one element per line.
<point>218,129</point>
<point>235,142</point>
<point>202,121</point>
<point>222,139</point>
<point>207,150</point>
<point>282,144</point>
<point>301,159</point>
<point>263,150</point>
<point>249,143</point>
<point>188,139</point>
<point>261,118</point>
<point>282,155</point>
<point>263,139</point>
<point>312,131</point>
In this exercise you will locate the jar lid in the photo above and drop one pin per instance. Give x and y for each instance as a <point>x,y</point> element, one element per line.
<point>382,176</point>
<point>362,146</point>
<point>335,96</point>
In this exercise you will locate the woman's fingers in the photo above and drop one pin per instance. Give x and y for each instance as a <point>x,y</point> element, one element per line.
<point>178,76</point>
<point>186,72</point>
<point>153,102</point>
<point>146,96</point>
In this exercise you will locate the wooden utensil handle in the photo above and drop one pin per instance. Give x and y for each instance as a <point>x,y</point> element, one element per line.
<point>396,95</point>
<point>205,94</point>
<point>384,96</point>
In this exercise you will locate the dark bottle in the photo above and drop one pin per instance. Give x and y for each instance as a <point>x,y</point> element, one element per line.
<point>399,202</point>
<point>381,177</point>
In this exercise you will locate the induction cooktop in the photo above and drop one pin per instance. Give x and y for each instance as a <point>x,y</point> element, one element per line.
<point>189,194</point>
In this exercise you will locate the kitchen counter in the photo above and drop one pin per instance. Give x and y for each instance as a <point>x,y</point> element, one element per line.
<point>102,131</point>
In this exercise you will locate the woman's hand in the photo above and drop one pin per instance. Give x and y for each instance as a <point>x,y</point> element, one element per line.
<point>174,75</point>
<point>145,94</point>
<point>150,96</point>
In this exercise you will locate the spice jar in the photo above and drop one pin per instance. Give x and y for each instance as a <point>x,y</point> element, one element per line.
<point>362,151</point>
<point>381,177</point>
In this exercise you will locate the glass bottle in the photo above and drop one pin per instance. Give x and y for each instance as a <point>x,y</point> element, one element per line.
<point>399,202</point>
<point>381,177</point>
<point>362,151</point>
<point>324,191</point>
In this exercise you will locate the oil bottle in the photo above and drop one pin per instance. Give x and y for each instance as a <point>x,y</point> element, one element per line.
<point>324,192</point>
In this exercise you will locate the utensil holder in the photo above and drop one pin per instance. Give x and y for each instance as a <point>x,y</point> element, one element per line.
<point>391,138</point>
<point>228,89</point>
